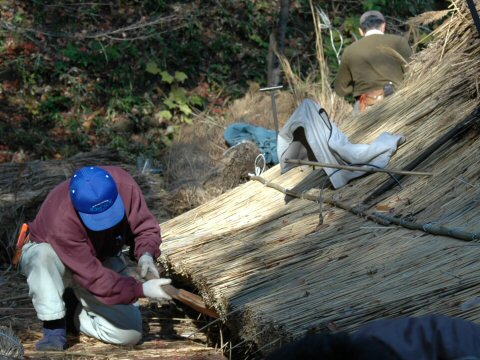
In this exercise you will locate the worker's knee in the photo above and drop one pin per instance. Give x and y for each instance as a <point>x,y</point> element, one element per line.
<point>39,256</point>
<point>116,336</point>
<point>124,337</point>
<point>37,253</point>
<point>119,325</point>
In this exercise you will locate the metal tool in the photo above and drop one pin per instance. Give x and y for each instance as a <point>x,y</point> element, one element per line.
<point>23,238</point>
<point>272,90</point>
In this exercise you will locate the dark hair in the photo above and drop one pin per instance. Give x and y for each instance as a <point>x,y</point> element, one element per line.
<point>371,22</point>
<point>339,346</point>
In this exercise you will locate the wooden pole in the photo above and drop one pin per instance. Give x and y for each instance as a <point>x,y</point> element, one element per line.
<point>475,17</point>
<point>190,299</point>
<point>368,169</point>
<point>456,131</point>
<point>381,219</point>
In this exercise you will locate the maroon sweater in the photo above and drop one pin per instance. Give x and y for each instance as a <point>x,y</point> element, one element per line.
<point>58,224</point>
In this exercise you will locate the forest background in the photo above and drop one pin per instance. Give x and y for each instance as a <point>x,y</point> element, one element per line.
<point>128,75</point>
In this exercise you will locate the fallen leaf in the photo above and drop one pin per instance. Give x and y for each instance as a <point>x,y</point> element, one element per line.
<point>383,208</point>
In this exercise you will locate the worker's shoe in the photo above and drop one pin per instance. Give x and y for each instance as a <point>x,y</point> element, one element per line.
<point>53,340</point>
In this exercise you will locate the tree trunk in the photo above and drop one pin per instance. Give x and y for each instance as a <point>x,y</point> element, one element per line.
<point>277,42</point>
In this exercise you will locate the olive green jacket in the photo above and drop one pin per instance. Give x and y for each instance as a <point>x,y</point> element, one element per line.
<point>371,62</point>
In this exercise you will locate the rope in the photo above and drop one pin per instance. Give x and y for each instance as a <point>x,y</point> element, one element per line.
<point>326,24</point>
<point>260,170</point>
<point>382,219</point>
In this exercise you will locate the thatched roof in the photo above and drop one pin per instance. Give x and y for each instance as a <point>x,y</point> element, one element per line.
<point>24,186</point>
<point>273,273</point>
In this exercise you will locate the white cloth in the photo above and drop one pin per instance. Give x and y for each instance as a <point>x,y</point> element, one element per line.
<point>330,145</point>
<point>47,279</point>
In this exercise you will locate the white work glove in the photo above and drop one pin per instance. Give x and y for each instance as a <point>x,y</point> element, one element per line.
<point>153,288</point>
<point>146,264</point>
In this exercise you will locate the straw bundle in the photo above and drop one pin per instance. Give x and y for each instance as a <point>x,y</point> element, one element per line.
<point>23,187</point>
<point>427,18</point>
<point>274,272</point>
<point>199,164</point>
<point>200,184</point>
<point>10,345</point>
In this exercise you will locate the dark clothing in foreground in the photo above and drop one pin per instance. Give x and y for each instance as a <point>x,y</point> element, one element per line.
<point>427,337</point>
<point>432,337</point>
<point>371,62</point>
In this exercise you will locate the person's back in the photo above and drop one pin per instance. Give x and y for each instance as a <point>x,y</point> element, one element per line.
<point>428,337</point>
<point>371,70</point>
<point>375,65</point>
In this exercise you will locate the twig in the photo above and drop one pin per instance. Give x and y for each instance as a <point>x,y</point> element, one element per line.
<point>139,25</point>
<point>18,297</point>
<point>381,219</point>
<point>358,168</point>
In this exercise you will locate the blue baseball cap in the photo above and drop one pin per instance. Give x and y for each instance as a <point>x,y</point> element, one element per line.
<point>95,196</point>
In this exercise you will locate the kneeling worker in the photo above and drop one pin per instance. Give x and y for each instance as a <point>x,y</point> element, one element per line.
<point>374,66</point>
<point>76,241</point>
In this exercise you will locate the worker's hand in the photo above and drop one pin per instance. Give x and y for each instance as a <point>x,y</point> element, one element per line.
<point>153,288</point>
<point>145,265</point>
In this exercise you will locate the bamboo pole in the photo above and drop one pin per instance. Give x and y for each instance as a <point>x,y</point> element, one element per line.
<point>366,168</point>
<point>376,217</point>
<point>454,133</point>
<point>286,276</point>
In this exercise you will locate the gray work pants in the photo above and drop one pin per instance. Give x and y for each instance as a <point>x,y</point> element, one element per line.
<point>47,279</point>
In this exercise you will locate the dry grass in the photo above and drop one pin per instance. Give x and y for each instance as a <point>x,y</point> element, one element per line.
<point>273,273</point>
<point>199,153</point>
<point>428,17</point>
<point>265,263</point>
<point>169,332</point>
<point>317,85</point>
<point>23,187</point>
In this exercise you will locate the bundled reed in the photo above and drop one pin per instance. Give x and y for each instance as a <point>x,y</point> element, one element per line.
<point>199,166</point>
<point>317,84</point>
<point>195,178</point>
<point>275,272</point>
<point>191,168</point>
<point>24,186</point>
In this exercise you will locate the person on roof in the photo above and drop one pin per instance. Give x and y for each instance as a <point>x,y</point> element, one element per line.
<point>374,66</point>
<point>429,337</point>
<point>76,241</point>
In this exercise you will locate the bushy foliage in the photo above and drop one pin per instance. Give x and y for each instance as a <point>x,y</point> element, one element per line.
<point>129,74</point>
<point>403,8</point>
<point>125,75</point>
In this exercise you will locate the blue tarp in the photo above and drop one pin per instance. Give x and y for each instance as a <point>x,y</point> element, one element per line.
<point>265,139</point>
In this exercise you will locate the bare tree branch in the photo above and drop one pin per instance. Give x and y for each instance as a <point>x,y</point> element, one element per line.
<point>167,22</point>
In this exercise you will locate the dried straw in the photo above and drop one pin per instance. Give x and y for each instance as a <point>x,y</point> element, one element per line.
<point>428,17</point>
<point>10,345</point>
<point>23,187</point>
<point>200,184</point>
<point>268,267</point>
<point>317,84</point>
